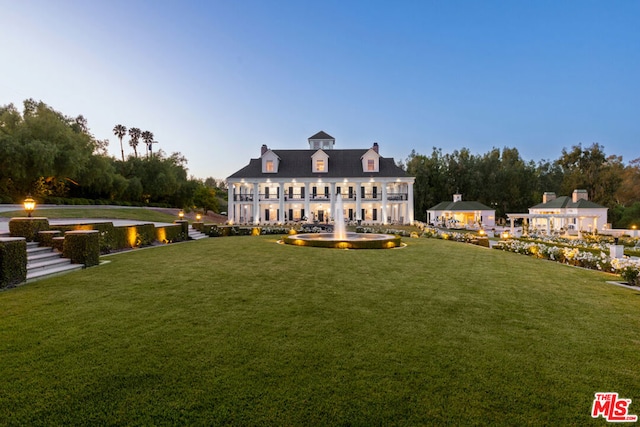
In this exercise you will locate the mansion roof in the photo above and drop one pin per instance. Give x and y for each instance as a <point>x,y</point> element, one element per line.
<point>460,206</point>
<point>566,202</point>
<point>342,164</point>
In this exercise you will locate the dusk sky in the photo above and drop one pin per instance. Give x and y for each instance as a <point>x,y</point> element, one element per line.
<point>214,80</point>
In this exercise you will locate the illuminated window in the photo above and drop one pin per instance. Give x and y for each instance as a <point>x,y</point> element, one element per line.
<point>320,165</point>
<point>269,166</point>
<point>371,165</point>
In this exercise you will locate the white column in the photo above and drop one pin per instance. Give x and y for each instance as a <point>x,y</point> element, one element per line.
<point>307,206</point>
<point>256,203</point>
<point>359,201</point>
<point>383,207</point>
<point>231,208</point>
<point>409,217</point>
<point>281,202</point>
<point>332,200</point>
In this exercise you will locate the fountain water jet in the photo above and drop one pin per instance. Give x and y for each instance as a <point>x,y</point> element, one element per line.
<point>339,229</point>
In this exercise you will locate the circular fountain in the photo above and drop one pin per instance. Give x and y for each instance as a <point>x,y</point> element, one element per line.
<point>340,239</point>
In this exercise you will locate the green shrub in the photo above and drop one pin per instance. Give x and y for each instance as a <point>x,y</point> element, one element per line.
<point>46,237</point>
<point>210,230</point>
<point>170,233</point>
<point>82,247</point>
<point>27,227</point>
<point>184,224</point>
<point>147,233</point>
<point>58,243</point>
<point>13,261</point>
<point>106,229</point>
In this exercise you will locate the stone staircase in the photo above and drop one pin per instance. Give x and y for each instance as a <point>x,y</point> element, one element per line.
<point>45,261</point>
<point>195,234</point>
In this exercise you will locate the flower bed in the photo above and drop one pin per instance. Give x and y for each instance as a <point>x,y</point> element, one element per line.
<point>627,268</point>
<point>589,252</point>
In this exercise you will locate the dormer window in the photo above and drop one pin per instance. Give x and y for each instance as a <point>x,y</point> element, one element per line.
<point>371,161</point>
<point>270,162</point>
<point>320,162</point>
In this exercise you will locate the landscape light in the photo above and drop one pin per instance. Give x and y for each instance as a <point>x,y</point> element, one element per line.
<point>198,217</point>
<point>29,205</point>
<point>181,214</point>
<point>505,235</point>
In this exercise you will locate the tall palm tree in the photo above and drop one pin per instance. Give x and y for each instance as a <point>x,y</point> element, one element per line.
<point>120,131</point>
<point>147,137</point>
<point>134,141</point>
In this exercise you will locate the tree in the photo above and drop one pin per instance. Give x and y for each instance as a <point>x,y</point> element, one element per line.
<point>147,137</point>
<point>590,169</point>
<point>135,134</point>
<point>120,131</point>
<point>205,198</point>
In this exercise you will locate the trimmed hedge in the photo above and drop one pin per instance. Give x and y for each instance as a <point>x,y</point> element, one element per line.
<point>170,234</point>
<point>105,229</point>
<point>46,237</point>
<point>184,224</point>
<point>27,227</point>
<point>82,247</point>
<point>13,261</point>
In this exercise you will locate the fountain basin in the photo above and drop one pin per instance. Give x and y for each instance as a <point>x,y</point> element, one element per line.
<point>350,241</point>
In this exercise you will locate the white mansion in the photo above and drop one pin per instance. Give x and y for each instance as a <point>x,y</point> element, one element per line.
<point>303,185</point>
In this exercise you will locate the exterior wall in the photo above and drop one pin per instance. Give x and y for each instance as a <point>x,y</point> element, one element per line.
<point>480,218</point>
<point>369,200</point>
<point>595,218</point>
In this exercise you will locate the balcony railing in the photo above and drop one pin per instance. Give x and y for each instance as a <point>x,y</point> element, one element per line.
<point>397,196</point>
<point>243,197</point>
<point>317,197</point>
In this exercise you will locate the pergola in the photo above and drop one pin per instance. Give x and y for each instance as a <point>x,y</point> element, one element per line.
<point>547,217</point>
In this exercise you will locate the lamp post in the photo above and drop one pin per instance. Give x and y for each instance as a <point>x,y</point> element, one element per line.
<point>198,217</point>
<point>29,205</point>
<point>181,214</point>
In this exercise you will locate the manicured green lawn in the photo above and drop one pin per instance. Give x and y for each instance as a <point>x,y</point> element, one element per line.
<point>139,214</point>
<point>240,330</point>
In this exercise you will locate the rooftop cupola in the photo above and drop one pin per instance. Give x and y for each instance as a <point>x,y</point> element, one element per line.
<point>321,141</point>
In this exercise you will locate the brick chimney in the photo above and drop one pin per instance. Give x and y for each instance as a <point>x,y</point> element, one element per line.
<point>580,195</point>
<point>375,147</point>
<point>548,196</point>
<point>264,149</point>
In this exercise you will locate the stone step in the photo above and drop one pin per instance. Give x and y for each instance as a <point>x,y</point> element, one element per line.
<point>43,261</point>
<point>33,250</point>
<point>196,235</point>
<point>42,256</point>
<point>53,271</point>
<point>47,263</point>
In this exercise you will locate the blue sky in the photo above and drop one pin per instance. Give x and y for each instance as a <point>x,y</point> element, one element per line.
<point>214,80</point>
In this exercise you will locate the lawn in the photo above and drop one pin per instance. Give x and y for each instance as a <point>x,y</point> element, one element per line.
<point>244,331</point>
<point>138,214</point>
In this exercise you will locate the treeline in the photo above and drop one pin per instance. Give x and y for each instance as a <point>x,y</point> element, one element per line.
<point>56,159</point>
<point>503,180</point>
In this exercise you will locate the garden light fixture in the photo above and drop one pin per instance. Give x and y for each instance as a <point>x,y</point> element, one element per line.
<point>181,214</point>
<point>29,205</point>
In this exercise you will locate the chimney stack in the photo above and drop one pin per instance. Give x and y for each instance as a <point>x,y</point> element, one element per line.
<point>457,198</point>
<point>375,147</point>
<point>264,149</point>
<point>580,195</point>
<point>548,196</point>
